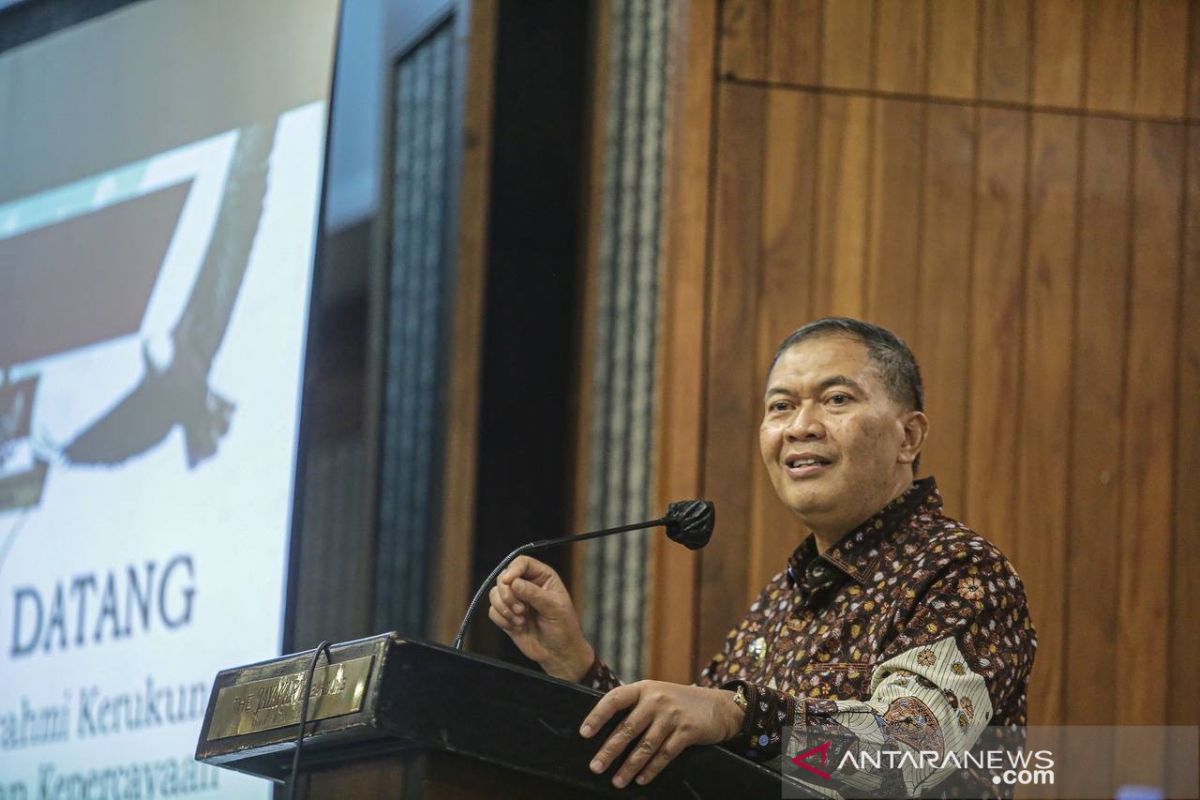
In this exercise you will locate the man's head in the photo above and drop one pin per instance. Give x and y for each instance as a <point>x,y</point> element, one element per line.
<point>843,422</point>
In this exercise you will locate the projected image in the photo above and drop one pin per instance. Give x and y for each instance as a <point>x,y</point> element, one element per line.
<point>64,300</point>
<point>152,326</point>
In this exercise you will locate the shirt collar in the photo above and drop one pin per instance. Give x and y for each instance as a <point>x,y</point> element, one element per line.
<point>857,553</point>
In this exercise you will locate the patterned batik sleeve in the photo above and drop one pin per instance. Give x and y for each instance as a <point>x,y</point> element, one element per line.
<point>600,677</point>
<point>967,647</point>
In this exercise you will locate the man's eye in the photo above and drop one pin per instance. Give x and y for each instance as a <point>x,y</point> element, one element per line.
<point>839,399</point>
<point>780,405</point>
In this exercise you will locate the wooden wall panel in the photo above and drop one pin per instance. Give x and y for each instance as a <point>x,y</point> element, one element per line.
<point>1184,676</point>
<point>843,164</point>
<point>679,444</point>
<point>1004,51</point>
<point>1161,80</point>
<point>731,406</point>
<point>846,33</point>
<point>893,246</point>
<point>1045,415</point>
<point>794,42</point>
<point>954,48</point>
<point>996,322</point>
<point>1148,445</point>
<point>788,228</point>
<point>900,46</point>
<point>1193,76</point>
<point>1095,454</point>
<point>1010,198</point>
<point>1110,55</point>
<point>948,202</point>
<point>1058,52</point>
<point>743,34</point>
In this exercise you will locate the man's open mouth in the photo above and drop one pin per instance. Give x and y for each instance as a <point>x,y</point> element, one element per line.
<point>803,465</point>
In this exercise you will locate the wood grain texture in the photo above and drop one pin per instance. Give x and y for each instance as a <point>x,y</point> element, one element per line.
<point>843,169</point>
<point>893,243</point>
<point>900,46</point>
<point>1193,76</point>
<point>996,322</point>
<point>1147,447</point>
<point>744,39</point>
<point>1183,707</point>
<point>1110,27</point>
<point>794,42</point>
<point>784,303</point>
<point>1162,55</point>
<point>954,48</point>
<point>679,445</point>
<point>1095,455</point>
<point>1045,418</point>
<point>453,588</point>
<point>944,302</point>
<point>1004,67</point>
<point>1058,53</point>
<point>846,43</point>
<point>731,404</point>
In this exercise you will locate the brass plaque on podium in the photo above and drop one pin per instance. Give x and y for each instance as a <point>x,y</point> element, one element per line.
<point>271,703</point>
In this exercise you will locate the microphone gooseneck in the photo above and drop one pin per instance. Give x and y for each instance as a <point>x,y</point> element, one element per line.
<point>689,522</point>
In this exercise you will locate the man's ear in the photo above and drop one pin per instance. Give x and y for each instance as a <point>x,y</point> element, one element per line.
<point>916,428</point>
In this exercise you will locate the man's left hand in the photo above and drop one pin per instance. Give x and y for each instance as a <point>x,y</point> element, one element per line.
<point>668,717</point>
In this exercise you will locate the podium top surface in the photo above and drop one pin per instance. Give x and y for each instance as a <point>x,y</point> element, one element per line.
<point>418,696</point>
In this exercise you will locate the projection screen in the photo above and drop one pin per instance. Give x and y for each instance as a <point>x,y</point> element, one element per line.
<point>160,173</point>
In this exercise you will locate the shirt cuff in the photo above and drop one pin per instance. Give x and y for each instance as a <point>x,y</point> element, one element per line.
<point>767,711</point>
<point>600,677</point>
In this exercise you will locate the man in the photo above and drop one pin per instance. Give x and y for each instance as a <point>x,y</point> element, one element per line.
<point>891,625</point>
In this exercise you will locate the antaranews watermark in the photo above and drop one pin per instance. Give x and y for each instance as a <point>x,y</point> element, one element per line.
<point>1086,762</point>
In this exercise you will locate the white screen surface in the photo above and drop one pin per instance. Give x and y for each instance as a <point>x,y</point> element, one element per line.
<point>154,282</point>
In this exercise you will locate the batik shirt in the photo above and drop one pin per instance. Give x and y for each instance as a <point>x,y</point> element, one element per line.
<point>911,630</point>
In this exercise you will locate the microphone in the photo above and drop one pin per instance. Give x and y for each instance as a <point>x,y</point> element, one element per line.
<point>688,522</point>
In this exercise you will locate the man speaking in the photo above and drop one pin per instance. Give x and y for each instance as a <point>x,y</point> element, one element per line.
<point>890,624</point>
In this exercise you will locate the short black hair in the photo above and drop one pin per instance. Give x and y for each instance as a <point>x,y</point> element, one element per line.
<point>896,364</point>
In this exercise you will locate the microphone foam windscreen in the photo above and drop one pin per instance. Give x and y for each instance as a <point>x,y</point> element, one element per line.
<point>690,522</point>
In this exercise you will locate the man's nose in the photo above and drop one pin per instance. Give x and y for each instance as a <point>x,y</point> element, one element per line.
<point>806,424</point>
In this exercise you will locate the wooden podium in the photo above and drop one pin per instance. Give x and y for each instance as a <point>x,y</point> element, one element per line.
<point>402,719</point>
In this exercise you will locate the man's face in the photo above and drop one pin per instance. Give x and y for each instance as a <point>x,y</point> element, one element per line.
<point>832,438</point>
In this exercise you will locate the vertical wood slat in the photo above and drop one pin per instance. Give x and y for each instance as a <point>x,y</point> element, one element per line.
<point>794,42</point>
<point>680,442</point>
<point>1147,448</point>
<point>941,339</point>
<point>900,46</point>
<point>996,329</point>
<point>893,255</point>
<point>744,39</point>
<point>731,409</point>
<point>1162,54</point>
<point>458,496</point>
<point>1045,383</point>
<point>784,303</point>
<point>1004,51</point>
<point>843,160</point>
<point>1193,75</point>
<point>1058,53</point>
<point>953,48</point>
<point>1110,55</point>
<point>1095,454</point>
<point>846,33</point>
<point>1184,669</point>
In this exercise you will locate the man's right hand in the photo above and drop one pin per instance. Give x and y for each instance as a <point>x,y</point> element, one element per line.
<point>530,603</point>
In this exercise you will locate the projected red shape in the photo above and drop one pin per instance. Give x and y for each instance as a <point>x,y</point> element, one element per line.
<point>86,279</point>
